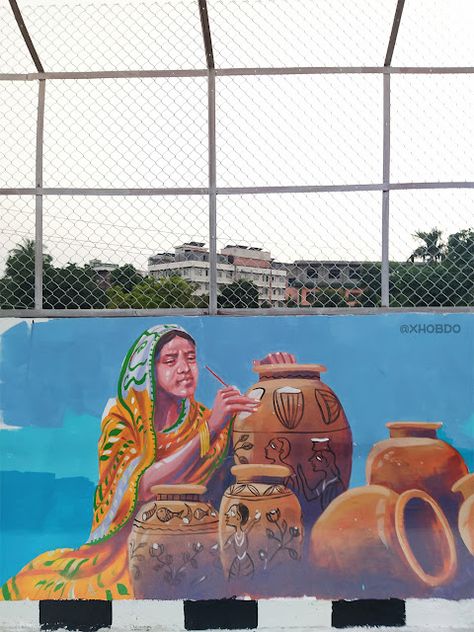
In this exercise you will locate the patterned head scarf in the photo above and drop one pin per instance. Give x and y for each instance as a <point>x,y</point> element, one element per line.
<point>127,446</point>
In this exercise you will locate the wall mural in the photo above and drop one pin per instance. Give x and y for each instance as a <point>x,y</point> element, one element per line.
<point>263,491</point>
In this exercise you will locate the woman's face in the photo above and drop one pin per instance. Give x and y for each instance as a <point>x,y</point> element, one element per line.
<point>176,368</point>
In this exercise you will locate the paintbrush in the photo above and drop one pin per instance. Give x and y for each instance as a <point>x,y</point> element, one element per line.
<point>216,376</point>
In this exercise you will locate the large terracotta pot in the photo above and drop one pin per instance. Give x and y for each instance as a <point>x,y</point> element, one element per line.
<point>300,424</point>
<point>374,542</point>
<point>414,458</point>
<point>260,531</point>
<point>173,546</point>
<point>466,513</point>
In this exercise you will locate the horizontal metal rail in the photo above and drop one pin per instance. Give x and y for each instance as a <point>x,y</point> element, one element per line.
<point>272,311</point>
<point>257,190</point>
<point>231,72</point>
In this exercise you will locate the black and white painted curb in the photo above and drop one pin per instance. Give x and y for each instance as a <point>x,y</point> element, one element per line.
<point>269,614</point>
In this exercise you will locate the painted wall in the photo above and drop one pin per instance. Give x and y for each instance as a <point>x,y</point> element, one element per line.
<point>57,376</point>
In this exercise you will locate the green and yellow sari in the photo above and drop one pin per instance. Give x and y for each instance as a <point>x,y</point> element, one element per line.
<point>128,445</point>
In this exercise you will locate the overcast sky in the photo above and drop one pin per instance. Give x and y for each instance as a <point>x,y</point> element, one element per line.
<point>278,130</point>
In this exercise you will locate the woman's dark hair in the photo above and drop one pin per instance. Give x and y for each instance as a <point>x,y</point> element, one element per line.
<point>244,513</point>
<point>168,337</point>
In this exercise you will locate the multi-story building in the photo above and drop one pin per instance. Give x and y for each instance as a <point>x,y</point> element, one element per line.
<point>234,263</point>
<point>103,270</point>
<point>307,277</point>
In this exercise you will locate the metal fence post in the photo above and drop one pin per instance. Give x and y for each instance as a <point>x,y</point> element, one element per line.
<point>39,197</point>
<point>385,272</point>
<point>211,111</point>
<point>212,195</point>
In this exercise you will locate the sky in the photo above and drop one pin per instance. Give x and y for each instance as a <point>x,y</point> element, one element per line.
<point>271,130</point>
<point>57,376</point>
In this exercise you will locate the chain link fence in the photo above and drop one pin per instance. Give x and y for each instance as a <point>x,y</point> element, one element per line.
<point>236,154</point>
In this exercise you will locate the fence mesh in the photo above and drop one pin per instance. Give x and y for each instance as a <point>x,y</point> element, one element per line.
<point>127,191</point>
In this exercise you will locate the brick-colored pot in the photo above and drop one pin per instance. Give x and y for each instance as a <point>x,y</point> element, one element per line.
<point>173,546</point>
<point>414,458</point>
<point>374,542</point>
<point>300,424</point>
<point>465,486</point>
<point>260,532</point>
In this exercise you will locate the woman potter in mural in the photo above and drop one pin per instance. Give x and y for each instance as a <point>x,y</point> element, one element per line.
<point>155,432</point>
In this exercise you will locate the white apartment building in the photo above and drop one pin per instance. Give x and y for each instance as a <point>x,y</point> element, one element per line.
<point>234,263</point>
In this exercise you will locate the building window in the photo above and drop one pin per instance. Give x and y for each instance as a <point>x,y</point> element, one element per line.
<point>334,273</point>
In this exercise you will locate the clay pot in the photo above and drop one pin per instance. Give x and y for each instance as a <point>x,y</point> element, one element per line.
<point>372,541</point>
<point>466,513</point>
<point>173,546</point>
<point>299,424</point>
<point>260,531</point>
<point>414,458</point>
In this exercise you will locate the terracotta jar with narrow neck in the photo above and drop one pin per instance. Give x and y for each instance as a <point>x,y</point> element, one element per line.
<point>465,486</point>
<point>374,542</point>
<point>173,548</point>
<point>300,424</point>
<point>415,458</point>
<point>260,532</point>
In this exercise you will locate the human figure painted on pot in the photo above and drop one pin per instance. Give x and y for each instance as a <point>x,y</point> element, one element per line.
<point>237,516</point>
<point>277,451</point>
<point>154,432</point>
<point>323,462</point>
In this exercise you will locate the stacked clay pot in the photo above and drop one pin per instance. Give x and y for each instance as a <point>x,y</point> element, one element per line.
<point>260,531</point>
<point>414,458</point>
<point>465,486</point>
<point>173,546</point>
<point>373,542</point>
<point>300,424</point>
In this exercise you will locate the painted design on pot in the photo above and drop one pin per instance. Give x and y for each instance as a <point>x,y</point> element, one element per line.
<point>237,517</point>
<point>260,529</point>
<point>371,540</point>
<point>415,458</point>
<point>242,444</point>
<point>323,460</point>
<point>295,408</point>
<point>465,486</point>
<point>289,406</point>
<point>173,546</point>
<point>329,405</point>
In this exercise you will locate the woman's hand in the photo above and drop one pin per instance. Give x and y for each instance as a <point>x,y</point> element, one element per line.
<point>279,357</point>
<point>228,402</point>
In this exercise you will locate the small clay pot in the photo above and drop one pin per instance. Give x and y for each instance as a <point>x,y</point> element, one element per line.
<point>465,486</point>
<point>260,531</point>
<point>374,542</point>
<point>414,458</point>
<point>173,548</point>
<point>300,424</point>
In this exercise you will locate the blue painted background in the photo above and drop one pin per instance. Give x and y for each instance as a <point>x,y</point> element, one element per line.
<point>56,377</point>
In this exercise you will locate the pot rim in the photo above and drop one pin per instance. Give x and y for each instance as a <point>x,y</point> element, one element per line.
<point>420,425</point>
<point>464,485</point>
<point>178,490</point>
<point>252,470</point>
<point>450,565</point>
<point>270,369</point>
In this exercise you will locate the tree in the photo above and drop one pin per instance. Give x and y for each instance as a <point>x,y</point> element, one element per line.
<point>72,287</point>
<point>125,277</point>
<point>327,297</point>
<point>154,293</point>
<point>432,249</point>
<point>239,294</point>
<point>460,247</point>
<point>370,282</point>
